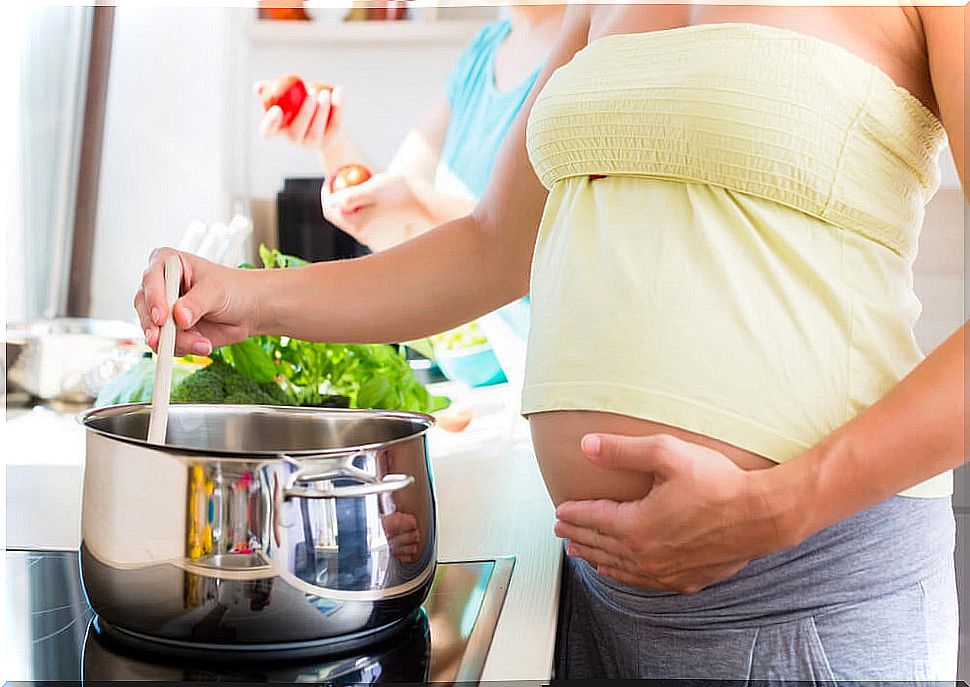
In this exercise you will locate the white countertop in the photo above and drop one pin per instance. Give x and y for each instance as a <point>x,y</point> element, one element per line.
<point>491,502</point>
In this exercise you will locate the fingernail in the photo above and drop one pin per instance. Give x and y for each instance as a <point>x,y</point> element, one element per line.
<point>187,316</point>
<point>156,315</point>
<point>147,334</point>
<point>571,550</point>
<point>591,444</point>
<point>201,348</point>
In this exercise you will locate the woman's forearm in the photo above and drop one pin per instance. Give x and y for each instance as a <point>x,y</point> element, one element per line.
<point>918,429</point>
<point>339,151</point>
<point>440,207</point>
<point>423,208</point>
<point>432,209</point>
<point>914,432</point>
<point>439,280</point>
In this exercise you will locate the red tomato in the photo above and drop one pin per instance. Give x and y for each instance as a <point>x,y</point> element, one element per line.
<point>347,176</point>
<point>287,92</point>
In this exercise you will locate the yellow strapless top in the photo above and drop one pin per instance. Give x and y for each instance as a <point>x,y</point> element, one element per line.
<point>744,269</point>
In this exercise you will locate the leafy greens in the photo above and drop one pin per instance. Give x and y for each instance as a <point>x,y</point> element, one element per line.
<point>369,375</point>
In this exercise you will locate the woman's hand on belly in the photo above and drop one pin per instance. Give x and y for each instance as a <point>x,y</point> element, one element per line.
<point>571,476</point>
<point>702,521</point>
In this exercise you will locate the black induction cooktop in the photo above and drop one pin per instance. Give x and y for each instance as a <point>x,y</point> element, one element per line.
<point>52,634</point>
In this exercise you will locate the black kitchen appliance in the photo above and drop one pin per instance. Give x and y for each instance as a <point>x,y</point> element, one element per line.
<point>303,231</point>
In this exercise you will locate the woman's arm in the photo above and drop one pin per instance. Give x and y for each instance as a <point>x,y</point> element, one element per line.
<point>918,429</point>
<point>418,153</point>
<point>417,160</point>
<point>914,432</point>
<point>441,279</point>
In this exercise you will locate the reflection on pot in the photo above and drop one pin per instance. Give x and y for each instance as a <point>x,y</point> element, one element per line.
<point>225,508</point>
<point>202,591</point>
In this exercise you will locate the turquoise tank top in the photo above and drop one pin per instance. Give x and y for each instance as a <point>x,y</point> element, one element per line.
<point>481,116</point>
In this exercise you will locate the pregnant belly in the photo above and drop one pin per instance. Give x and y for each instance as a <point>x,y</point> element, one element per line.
<point>569,475</point>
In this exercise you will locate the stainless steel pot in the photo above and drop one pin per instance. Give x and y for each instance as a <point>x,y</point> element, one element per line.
<point>292,530</point>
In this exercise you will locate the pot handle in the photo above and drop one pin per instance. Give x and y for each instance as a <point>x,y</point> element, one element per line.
<point>339,468</point>
<point>386,485</point>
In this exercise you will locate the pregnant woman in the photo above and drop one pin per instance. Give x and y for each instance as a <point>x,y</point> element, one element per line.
<point>719,209</point>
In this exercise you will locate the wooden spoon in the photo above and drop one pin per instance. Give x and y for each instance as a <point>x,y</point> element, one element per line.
<point>158,421</point>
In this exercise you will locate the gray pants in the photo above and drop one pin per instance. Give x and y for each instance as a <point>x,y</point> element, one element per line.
<point>870,598</point>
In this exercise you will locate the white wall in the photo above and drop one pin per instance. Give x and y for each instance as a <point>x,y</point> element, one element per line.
<point>939,275</point>
<point>165,145</point>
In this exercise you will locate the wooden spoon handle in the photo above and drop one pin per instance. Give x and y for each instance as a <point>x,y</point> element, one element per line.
<point>158,421</point>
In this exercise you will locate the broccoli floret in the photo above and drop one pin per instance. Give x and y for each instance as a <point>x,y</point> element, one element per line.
<point>240,387</point>
<point>204,386</point>
<point>220,383</point>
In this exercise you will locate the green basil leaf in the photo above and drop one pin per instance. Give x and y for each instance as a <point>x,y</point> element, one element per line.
<point>370,375</point>
<point>249,359</point>
<point>373,393</point>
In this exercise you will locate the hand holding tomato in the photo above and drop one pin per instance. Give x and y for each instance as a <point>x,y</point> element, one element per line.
<point>349,175</point>
<point>380,212</point>
<point>307,114</point>
<point>286,93</point>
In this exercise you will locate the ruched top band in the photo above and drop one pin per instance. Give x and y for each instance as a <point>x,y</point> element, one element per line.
<point>788,117</point>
